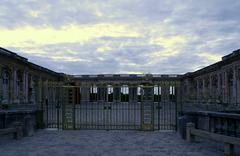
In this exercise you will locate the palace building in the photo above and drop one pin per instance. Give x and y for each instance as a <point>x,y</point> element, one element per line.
<point>117,101</point>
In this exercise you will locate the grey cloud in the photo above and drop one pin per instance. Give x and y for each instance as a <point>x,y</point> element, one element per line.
<point>211,26</point>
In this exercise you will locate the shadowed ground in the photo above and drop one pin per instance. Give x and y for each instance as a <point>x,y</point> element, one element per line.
<point>109,143</point>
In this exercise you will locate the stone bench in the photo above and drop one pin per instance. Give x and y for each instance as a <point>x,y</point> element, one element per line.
<point>228,141</point>
<point>16,130</point>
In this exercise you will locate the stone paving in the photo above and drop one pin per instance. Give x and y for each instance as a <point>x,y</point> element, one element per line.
<point>106,143</point>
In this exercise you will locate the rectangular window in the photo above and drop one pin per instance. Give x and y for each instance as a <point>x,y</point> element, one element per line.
<point>124,93</point>
<point>157,93</point>
<point>110,93</point>
<point>93,93</point>
<point>172,94</point>
<point>139,94</point>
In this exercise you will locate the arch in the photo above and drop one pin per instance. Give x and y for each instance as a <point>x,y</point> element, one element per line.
<point>5,80</point>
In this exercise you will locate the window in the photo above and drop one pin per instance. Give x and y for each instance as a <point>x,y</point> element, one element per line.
<point>19,84</point>
<point>110,93</point>
<point>124,93</point>
<point>5,87</point>
<point>157,93</point>
<point>139,93</point>
<point>172,94</point>
<point>93,93</point>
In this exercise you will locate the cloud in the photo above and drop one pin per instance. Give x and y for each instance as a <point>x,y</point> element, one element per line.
<point>121,36</point>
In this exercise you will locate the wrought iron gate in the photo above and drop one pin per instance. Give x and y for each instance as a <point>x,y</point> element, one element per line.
<point>142,110</point>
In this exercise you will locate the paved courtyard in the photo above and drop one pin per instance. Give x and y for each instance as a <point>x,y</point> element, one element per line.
<point>106,143</point>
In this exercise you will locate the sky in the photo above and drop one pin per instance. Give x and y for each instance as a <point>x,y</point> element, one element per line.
<point>121,36</point>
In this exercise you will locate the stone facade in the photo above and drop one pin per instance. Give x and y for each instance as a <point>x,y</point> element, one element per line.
<point>215,87</point>
<point>24,84</point>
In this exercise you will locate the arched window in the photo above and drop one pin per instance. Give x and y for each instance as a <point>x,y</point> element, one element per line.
<point>5,85</point>
<point>19,84</point>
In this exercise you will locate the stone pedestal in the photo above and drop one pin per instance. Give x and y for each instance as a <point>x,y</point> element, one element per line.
<point>28,128</point>
<point>228,149</point>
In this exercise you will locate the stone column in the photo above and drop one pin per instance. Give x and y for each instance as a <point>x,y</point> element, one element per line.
<point>133,94</point>
<point>116,93</point>
<point>32,98</point>
<point>187,93</point>
<point>15,87</point>
<point>198,90</point>
<point>203,89</point>
<point>40,91</point>
<point>225,87</point>
<point>25,86</point>
<point>234,91</point>
<point>12,85</point>
<point>1,85</point>
<point>85,90</point>
<point>238,85</point>
<point>219,87</point>
<point>210,95</point>
<point>46,89</point>
<point>6,87</point>
<point>43,90</point>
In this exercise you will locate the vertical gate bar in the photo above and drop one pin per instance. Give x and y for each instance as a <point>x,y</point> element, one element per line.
<point>53,111</point>
<point>176,106</point>
<point>79,107</point>
<point>158,100</point>
<point>88,123</point>
<point>98,119</point>
<point>73,108</point>
<point>117,105</point>
<point>91,102</point>
<point>85,104</point>
<point>141,113</point>
<point>170,104</point>
<point>58,114</point>
<point>46,103</point>
<point>100,108</point>
<point>95,108</point>
<point>164,105</point>
<point>123,102</point>
<point>134,108</point>
<point>124,107</point>
<point>63,109</point>
<point>128,109</point>
<point>152,103</point>
<point>169,97</point>
<point>160,104</point>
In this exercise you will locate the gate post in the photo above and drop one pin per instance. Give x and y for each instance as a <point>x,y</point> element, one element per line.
<point>147,110</point>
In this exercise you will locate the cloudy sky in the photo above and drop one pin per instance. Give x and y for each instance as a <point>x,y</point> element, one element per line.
<point>121,36</point>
